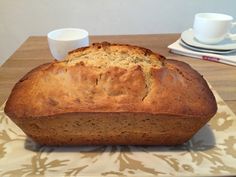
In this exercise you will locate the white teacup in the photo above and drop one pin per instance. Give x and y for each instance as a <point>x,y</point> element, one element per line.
<point>212,28</point>
<point>61,41</point>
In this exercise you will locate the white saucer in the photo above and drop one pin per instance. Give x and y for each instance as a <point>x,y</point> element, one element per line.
<point>188,37</point>
<point>185,45</point>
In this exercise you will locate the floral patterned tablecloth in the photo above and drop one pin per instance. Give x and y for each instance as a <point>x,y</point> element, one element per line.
<point>212,151</point>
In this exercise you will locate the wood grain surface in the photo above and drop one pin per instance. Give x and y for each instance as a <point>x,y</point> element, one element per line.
<point>34,51</point>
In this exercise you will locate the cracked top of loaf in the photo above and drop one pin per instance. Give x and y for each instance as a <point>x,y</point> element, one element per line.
<point>112,78</point>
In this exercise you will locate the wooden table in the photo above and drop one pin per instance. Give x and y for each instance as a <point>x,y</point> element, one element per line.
<point>35,51</point>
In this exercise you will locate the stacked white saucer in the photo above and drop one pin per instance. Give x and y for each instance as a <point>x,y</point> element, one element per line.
<point>188,45</point>
<point>224,47</point>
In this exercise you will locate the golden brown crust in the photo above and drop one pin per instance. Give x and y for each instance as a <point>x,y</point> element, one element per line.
<point>138,49</point>
<point>112,79</point>
<point>55,88</point>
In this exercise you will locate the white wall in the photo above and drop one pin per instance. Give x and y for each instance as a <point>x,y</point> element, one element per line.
<point>22,18</point>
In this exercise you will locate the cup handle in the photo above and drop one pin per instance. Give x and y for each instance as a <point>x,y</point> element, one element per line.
<point>230,35</point>
<point>233,24</point>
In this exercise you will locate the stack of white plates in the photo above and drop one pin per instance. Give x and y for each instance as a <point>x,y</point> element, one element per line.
<point>188,41</point>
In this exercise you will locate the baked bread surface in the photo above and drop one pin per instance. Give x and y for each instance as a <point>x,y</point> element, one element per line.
<point>112,88</point>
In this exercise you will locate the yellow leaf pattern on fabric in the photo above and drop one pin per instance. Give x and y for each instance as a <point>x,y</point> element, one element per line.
<point>223,169</point>
<point>222,121</point>
<point>230,144</point>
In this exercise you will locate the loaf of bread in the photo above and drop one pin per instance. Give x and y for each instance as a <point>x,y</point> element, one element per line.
<point>111,94</point>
